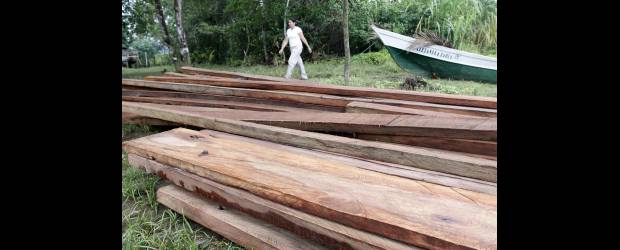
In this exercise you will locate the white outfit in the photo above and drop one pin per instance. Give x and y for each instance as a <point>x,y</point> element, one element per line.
<point>296,48</point>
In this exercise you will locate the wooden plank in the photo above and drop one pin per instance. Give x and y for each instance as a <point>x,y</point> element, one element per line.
<point>375,108</point>
<point>470,101</point>
<point>456,164</point>
<point>381,167</point>
<point>137,88</point>
<point>306,98</point>
<point>467,146</point>
<point>418,213</point>
<point>252,93</point>
<point>386,124</point>
<point>471,111</point>
<point>176,74</point>
<point>129,118</point>
<point>197,72</point>
<point>234,225</point>
<point>164,93</point>
<point>233,75</point>
<point>217,104</point>
<point>325,232</point>
<point>456,182</point>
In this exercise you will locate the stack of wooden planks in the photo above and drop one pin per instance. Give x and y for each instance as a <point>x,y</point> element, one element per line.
<point>289,164</point>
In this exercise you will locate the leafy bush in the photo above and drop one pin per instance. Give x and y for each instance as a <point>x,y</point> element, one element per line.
<point>374,58</point>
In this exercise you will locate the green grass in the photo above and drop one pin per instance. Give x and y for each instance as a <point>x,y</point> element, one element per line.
<point>148,225</point>
<point>376,69</point>
<point>384,74</point>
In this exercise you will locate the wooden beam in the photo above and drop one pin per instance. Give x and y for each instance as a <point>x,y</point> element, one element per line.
<point>405,155</point>
<point>234,75</point>
<point>175,74</point>
<point>137,88</point>
<point>413,212</point>
<point>374,108</point>
<point>385,124</point>
<point>434,177</point>
<point>462,110</point>
<point>217,104</point>
<point>251,93</point>
<point>460,145</point>
<point>306,98</point>
<point>325,232</point>
<point>164,93</point>
<point>234,225</point>
<point>197,72</point>
<point>129,118</point>
<point>470,101</point>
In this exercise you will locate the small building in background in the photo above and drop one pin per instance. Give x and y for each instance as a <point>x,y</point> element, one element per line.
<point>129,57</point>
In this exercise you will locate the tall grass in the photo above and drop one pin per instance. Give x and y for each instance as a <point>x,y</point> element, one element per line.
<point>465,23</point>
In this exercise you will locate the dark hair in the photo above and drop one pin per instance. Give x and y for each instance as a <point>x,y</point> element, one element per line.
<point>294,20</point>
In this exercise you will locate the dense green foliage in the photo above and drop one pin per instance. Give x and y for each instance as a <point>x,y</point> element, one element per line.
<point>246,32</point>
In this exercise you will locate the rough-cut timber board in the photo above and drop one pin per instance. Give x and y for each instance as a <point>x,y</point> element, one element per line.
<point>235,75</point>
<point>327,233</point>
<point>138,88</point>
<point>373,124</point>
<point>198,72</point>
<point>386,124</point>
<point>456,164</point>
<point>422,214</point>
<point>462,110</point>
<point>164,93</point>
<point>176,74</point>
<point>470,101</point>
<point>374,108</point>
<point>217,104</point>
<point>241,92</point>
<point>459,145</point>
<point>306,98</point>
<point>234,225</point>
<point>129,118</point>
<point>381,167</point>
<point>184,75</point>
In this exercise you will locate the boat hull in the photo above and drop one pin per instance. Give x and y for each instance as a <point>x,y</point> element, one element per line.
<point>427,66</point>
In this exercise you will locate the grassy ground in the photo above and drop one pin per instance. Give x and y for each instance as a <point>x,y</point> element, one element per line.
<point>147,225</point>
<point>375,69</point>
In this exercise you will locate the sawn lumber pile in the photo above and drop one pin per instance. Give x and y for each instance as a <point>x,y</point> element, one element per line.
<point>272,163</point>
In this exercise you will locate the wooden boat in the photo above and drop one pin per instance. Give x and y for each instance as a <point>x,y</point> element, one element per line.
<point>437,60</point>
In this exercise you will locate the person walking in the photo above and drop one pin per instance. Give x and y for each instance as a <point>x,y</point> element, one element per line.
<point>294,37</point>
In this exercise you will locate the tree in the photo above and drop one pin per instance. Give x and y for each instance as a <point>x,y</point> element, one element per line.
<point>345,32</point>
<point>126,19</point>
<point>182,40</point>
<point>262,30</point>
<point>159,12</point>
<point>285,12</point>
<point>147,47</point>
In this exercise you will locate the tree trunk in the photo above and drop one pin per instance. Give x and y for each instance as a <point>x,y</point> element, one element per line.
<point>345,30</point>
<point>247,45</point>
<point>262,31</point>
<point>285,12</point>
<point>159,12</point>
<point>182,40</point>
